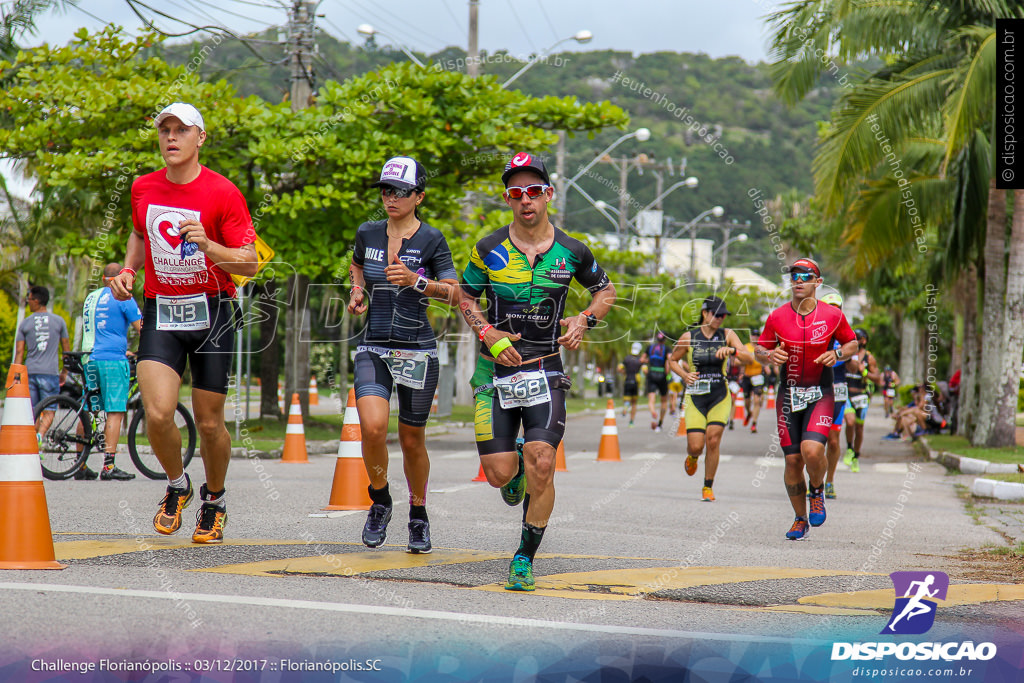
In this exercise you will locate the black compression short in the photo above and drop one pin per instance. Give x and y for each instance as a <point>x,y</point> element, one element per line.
<point>209,353</point>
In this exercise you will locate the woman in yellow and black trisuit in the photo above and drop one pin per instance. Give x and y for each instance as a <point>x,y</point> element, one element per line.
<point>706,349</point>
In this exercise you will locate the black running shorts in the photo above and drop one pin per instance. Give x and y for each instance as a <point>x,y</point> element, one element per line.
<point>209,353</point>
<point>373,378</point>
<point>809,424</point>
<point>657,383</point>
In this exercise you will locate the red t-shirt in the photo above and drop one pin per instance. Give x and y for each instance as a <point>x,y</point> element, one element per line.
<point>158,206</point>
<point>806,337</point>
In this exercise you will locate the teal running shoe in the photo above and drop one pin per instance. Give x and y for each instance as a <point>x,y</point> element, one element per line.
<point>514,491</point>
<point>520,574</point>
<point>830,490</point>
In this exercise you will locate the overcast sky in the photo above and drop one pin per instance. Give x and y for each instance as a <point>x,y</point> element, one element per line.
<point>718,28</point>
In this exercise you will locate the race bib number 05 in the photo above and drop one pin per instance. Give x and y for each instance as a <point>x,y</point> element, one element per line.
<point>182,312</point>
<point>804,396</point>
<point>523,389</point>
<point>409,368</point>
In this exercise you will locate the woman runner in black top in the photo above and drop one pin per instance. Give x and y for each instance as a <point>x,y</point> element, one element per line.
<point>707,405</point>
<point>398,264</point>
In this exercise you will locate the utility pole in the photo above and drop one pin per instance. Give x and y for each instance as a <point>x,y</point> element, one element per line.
<point>297,335</point>
<point>560,204</point>
<point>473,56</point>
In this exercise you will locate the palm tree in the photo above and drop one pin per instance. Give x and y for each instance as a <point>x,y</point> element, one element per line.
<point>915,130</point>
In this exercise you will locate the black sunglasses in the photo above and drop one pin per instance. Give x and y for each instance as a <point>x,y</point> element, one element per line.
<point>397,193</point>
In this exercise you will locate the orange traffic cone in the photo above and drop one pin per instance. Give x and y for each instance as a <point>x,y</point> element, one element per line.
<point>681,429</point>
<point>480,476</point>
<point>280,396</point>
<point>25,538</point>
<point>608,450</point>
<point>314,394</point>
<point>295,435</point>
<point>560,458</point>
<point>741,412</point>
<point>433,405</point>
<point>351,488</point>
<point>771,399</point>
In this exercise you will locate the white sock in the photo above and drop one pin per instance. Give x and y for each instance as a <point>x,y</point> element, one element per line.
<point>181,482</point>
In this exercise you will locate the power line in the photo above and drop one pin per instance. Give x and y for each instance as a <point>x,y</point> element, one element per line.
<point>400,32</point>
<point>452,15</point>
<point>515,13</point>
<point>339,30</point>
<point>544,11</point>
<point>93,16</point>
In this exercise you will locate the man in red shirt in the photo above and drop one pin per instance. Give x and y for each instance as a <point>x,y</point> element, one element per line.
<point>798,338</point>
<point>192,230</point>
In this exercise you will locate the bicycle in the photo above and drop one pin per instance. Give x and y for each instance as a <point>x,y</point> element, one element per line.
<point>76,426</point>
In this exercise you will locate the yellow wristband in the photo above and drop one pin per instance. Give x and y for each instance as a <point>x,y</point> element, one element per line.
<point>500,346</point>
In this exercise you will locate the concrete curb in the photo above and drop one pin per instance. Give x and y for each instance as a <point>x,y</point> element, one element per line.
<point>983,488</point>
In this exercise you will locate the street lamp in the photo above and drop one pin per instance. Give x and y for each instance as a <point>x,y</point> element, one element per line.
<point>717,212</point>
<point>369,31</point>
<point>742,237</point>
<point>641,134</point>
<point>580,37</point>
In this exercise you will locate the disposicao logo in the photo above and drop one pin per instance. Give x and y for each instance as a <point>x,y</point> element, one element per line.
<point>914,613</point>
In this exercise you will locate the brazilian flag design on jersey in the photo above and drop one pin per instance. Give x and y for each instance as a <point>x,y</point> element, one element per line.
<point>530,300</point>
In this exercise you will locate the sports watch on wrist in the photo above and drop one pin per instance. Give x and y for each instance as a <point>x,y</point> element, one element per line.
<point>591,319</point>
<point>421,284</point>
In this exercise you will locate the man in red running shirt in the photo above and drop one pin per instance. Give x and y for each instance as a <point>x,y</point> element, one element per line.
<point>192,229</point>
<point>798,338</point>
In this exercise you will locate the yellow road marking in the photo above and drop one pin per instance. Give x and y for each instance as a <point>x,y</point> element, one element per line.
<point>814,609</point>
<point>618,584</point>
<point>963,594</point>
<point>349,564</point>
<point>81,550</point>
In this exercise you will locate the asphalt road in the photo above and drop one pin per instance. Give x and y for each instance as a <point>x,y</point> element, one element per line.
<point>636,576</point>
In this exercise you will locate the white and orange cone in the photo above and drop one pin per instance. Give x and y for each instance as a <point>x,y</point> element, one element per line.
<point>770,405</point>
<point>26,541</point>
<point>295,435</point>
<point>741,412</point>
<point>434,405</point>
<point>280,396</point>
<point>608,450</point>
<point>681,429</point>
<point>351,487</point>
<point>560,465</point>
<point>314,393</point>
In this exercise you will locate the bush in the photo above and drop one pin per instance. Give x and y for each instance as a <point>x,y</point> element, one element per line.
<point>8,324</point>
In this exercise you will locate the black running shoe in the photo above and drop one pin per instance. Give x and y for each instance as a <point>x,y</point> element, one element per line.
<point>419,536</point>
<point>376,528</point>
<point>115,473</point>
<point>84,473</point>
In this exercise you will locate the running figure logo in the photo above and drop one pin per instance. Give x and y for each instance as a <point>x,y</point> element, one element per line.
<point>914,612</point>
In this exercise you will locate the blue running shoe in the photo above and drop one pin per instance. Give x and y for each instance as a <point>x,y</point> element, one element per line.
<point>817,514</point>
<point>798,530</point>
<point>520,574</point>
<point>514,491</point>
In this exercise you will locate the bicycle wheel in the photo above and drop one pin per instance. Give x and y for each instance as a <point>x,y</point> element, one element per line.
<point>68,439</point>
<point>142,453</point>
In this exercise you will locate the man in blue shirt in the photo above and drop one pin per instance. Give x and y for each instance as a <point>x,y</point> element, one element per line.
<point>105,338</point>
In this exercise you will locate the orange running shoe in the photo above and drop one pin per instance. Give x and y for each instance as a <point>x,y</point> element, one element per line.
<point>210,521</point>
<point>709,496</point>
<point>168,517</point>
<point>690,465</point>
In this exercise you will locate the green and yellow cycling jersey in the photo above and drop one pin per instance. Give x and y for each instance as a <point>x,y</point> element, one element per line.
<point>525,299</point>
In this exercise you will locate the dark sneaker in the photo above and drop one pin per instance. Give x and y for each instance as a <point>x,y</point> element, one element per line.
<point>168,517</point>
<point>798,530</point>
<point>376,528</point>
<point>115,474</point>
<point>210,521</point>
<point>419,536</point>
<point>84,473</point>
<point>817,513</point>
<point>520,574</point>
<point>514,491</point>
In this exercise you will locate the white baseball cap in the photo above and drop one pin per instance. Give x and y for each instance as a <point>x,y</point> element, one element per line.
<point>185,113</point>
<point>636,347</point>
<point>402,172</point>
